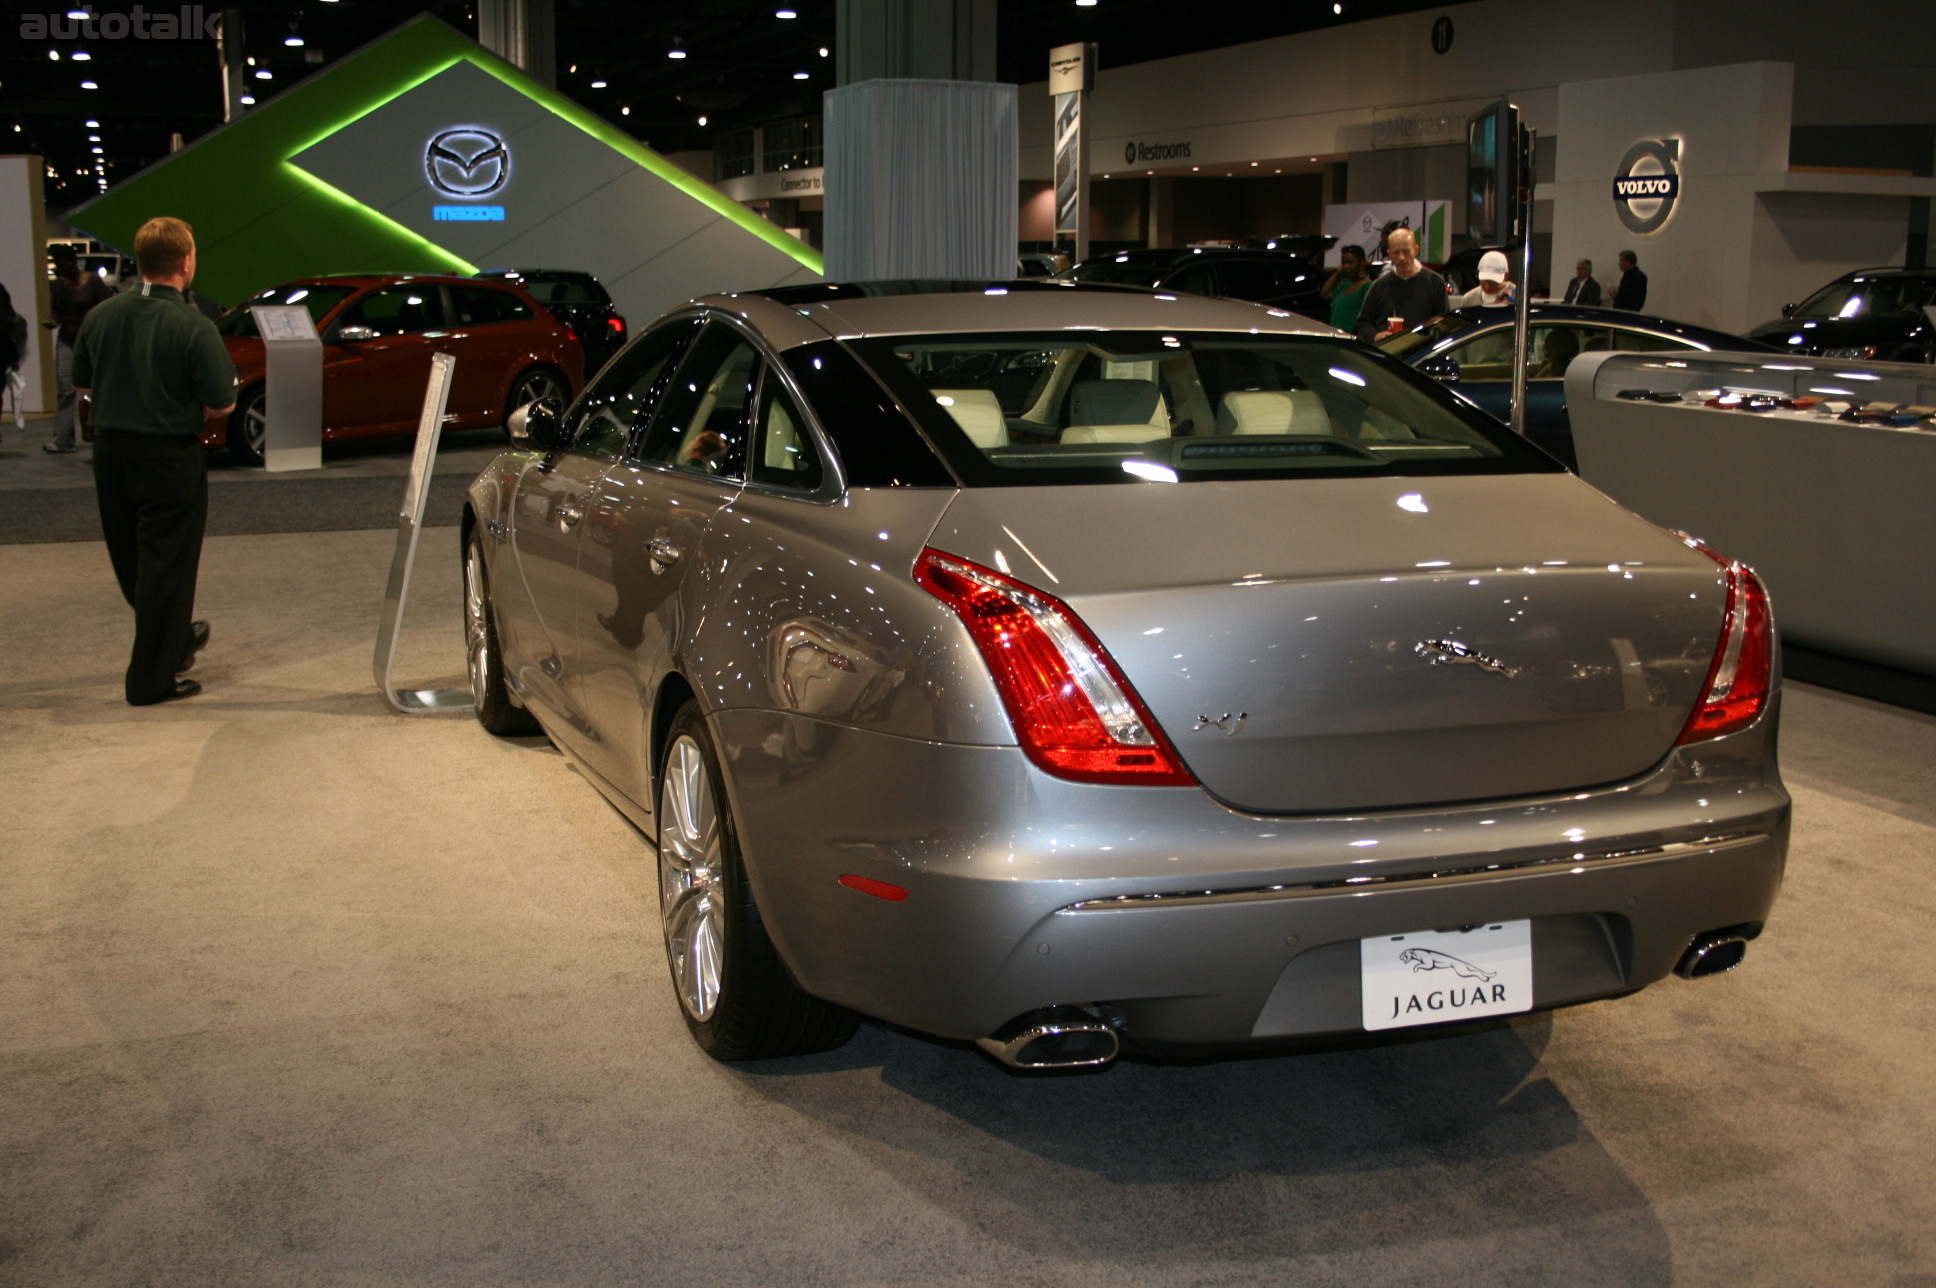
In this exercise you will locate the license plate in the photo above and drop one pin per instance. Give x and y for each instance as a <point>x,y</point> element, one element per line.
<point>1431,976</point>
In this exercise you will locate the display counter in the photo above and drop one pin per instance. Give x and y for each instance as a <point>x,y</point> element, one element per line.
<point>1755,454</point>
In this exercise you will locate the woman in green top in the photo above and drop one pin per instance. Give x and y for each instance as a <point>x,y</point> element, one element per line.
<point>1346,287</point>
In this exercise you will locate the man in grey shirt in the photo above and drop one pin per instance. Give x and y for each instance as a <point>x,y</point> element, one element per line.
<point>1410,291</point>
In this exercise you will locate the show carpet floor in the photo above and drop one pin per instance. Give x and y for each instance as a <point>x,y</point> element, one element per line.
<point>294,990</point>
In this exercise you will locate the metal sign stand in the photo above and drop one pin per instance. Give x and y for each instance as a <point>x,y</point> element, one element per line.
<point>416,499</point>
<point>1523,296</point>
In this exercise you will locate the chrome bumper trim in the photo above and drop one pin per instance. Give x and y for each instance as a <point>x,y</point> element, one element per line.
<point>1347,885</point>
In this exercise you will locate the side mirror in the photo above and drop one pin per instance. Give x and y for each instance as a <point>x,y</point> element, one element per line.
<point>1442,367</point>
<point>1788,310</point>
<point>352,334</point>
<point>537,425</point>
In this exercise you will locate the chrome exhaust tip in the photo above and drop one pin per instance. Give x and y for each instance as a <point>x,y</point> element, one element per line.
<point>1715,951</point>
<point>1055,1037</point>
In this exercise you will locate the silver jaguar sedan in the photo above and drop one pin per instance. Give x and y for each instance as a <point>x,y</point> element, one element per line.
<point>1073,669</point>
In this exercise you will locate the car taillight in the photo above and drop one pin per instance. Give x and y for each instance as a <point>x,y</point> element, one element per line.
<point>1073,712</point>
<point>1739,678</point>
<point>617,325</point>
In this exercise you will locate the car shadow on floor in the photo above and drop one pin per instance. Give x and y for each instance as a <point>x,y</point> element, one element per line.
<point>1318,1153</point>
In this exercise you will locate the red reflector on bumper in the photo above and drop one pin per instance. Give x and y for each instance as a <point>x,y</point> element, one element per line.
<point>879,889</point>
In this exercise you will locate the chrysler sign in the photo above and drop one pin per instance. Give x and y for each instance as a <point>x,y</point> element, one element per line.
<point>1647,184</point>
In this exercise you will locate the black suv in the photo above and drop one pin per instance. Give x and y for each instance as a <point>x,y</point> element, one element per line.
<point>1279,278</point>
<point>580,302</point>
<point>1875,313</point>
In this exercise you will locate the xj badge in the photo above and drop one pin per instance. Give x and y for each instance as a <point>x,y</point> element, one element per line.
<point>467,162</point>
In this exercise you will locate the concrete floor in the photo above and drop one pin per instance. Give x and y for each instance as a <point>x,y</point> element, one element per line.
<point>297,991</point>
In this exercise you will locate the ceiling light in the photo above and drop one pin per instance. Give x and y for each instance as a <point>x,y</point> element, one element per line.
<point>1085,4</point>
<point>79,13</point>
<point>625,111</point>
<point>81,56</point>
<point>598,84</point>
<point>95,151</point>
<point>93,125</point>
<point>263,73</point>
<point>799,76</point>
<point>251,60</point>
<point>1337,8</point>
<point>675,53</point>
<point>823,51</point>
<point>294,42</point>
<point>248,100</point>
<point>89,85</point>
<point>785,13</point>
<point>702,120</point>
<point>54,54</point>
<point>92,138</point>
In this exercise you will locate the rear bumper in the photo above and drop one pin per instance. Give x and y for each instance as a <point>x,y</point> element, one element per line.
<point>1203,926</point>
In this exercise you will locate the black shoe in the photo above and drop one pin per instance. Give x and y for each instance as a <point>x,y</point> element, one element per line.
<point>182,689</point>
<point>57,450</point>
<point>197,641</point>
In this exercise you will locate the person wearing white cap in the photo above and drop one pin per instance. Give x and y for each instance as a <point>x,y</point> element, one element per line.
<point>1493,288</point>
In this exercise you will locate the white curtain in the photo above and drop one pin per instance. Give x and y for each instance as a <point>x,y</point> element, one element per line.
<point>921,180</point>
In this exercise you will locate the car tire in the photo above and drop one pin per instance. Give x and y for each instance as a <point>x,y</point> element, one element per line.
<point>496,710</point>
<point>534,383</point>
<point>738,998</point>
<point>248,427</point>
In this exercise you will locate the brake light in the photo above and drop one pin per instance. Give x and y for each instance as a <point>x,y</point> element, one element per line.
<point>1742,673</point>
<point>1072,710</point>
<point>617,325</point>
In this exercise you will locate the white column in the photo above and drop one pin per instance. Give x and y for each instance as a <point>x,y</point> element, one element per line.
<point>921,180</point>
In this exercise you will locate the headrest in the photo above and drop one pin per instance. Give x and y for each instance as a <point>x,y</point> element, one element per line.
<point>1142,433</point>
<point>1113,402</point>
<point>978,412</point>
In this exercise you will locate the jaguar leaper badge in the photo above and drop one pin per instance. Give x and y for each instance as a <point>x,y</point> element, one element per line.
<point>467,162</point>
<point>1453,653</point>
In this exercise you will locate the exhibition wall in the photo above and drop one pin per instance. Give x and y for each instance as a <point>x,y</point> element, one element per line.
<point>423,152</point>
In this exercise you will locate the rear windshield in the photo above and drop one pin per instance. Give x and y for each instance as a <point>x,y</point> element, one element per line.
<point>1870,297</point>
<point>1063,407</point>
<point>1406,343</point>
<point>319,300</point>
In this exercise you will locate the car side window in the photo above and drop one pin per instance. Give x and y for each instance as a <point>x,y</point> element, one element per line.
<point>1642,342</point>
<point>1487,356</point>
<point>398,310</point>
<point>603,419</point>
<point>480,306</point>
<point>700,424</point>
<point>1194,280</point>
<point>1248,280</point>
<point>782,453</point>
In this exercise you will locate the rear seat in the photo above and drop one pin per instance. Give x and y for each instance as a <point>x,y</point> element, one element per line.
<point>1270,411</point>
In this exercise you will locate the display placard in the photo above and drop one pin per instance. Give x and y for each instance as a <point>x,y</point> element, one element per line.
<point>292,388</point>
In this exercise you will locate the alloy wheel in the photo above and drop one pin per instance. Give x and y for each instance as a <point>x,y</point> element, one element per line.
<point>477,634</point>
<point>691,899</point>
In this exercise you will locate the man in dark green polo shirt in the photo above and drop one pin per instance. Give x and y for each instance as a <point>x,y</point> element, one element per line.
<point>154,370</point>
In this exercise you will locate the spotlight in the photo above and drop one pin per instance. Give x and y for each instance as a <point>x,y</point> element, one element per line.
<point>294,42</point>
<point>785,13</point>
<point>799,76</point>
<point>89,85</point>
<point>702,120</point>
<point>598,84</point>
<point>81,56</point>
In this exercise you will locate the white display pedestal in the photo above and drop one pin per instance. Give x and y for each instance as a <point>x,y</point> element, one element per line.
<point>292,387</point>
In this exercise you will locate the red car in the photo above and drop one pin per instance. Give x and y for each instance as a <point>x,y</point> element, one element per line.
<point>378,332</point>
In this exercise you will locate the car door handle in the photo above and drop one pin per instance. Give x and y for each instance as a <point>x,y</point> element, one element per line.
<point>662,553</point>
<point>568,517</point>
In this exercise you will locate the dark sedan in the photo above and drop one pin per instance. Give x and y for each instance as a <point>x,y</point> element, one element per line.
<point>1876,313</point>
<point>1278,278</point>
<point>1472,349</point>
<point>579,301</point>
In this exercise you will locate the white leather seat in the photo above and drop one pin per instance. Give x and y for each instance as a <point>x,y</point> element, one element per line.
<point>1144,433</point>
<point>978,412</point>
<point>1269,411</point>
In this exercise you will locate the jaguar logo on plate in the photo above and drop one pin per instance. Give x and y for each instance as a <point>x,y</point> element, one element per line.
<point>1430,976</point>
<point>467,162</point>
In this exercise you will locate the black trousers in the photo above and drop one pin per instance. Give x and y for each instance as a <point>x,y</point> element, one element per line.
<point>153,494</point>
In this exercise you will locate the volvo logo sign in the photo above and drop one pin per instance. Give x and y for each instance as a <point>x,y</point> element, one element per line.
<point>1647,184</point>
<point>467,162</point>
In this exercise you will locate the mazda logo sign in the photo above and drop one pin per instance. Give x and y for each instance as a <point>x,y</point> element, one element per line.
<point>1647,183</point>
<point>467,162</point>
